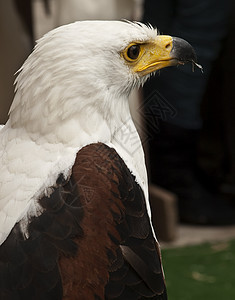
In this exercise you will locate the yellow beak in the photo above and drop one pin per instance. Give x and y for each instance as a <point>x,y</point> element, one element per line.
<point>162,52</point>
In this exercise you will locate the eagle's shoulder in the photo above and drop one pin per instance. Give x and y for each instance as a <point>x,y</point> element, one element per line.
<point>119,220</point>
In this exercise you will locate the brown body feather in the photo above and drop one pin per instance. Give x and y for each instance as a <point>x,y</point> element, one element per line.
<point>93,240</point>
<point>92,172</point>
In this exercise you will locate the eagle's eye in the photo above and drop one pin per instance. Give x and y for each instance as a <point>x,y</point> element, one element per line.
<point>133,52</point>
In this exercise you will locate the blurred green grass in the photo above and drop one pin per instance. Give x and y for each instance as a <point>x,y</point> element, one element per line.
<point>205,272</point>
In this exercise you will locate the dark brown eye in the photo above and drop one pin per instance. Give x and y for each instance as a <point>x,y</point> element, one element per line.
<point>133,52</point>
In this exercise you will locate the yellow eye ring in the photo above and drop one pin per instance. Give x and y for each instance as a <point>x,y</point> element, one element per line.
<point>132,52</point>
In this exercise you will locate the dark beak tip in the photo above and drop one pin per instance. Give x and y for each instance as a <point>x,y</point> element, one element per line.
<point>183,51</point>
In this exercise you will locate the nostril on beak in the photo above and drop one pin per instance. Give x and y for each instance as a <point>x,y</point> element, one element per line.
<point>168,46</point>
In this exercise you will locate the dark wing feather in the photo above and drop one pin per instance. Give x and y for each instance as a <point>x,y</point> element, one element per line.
<point>140,264</point>
<point>92,241</point>
<point>29,267</point>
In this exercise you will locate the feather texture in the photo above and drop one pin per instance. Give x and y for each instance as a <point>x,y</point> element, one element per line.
<point>92,241</point>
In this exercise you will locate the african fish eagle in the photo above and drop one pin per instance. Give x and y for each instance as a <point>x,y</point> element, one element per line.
<point>74,210</point>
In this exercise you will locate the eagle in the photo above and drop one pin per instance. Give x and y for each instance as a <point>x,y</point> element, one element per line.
<point>75,219</point>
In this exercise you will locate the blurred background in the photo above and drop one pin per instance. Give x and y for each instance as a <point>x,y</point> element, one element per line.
<point>186,121</point>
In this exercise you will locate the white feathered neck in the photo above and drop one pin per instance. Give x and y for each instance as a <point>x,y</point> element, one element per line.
<point>71,91</point>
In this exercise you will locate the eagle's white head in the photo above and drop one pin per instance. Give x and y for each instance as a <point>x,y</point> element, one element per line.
<point>88,66</point>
